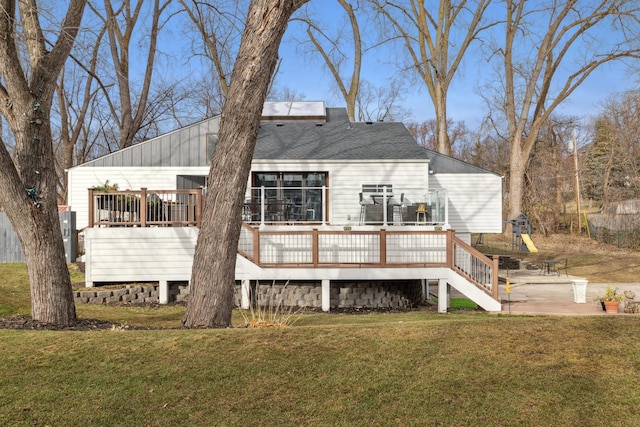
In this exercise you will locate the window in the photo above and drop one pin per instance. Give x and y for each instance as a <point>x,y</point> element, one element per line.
<point>376,188</point>
<point>302,190</point>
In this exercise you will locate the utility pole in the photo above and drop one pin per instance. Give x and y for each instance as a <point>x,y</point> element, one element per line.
<point>575,164</point>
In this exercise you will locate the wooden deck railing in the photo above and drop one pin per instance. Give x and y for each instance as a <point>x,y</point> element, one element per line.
<point>376,248</point>
<point>143,208</point>
<point>475,266</point>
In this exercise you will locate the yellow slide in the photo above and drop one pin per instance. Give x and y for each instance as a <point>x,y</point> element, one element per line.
<point>527,241</point>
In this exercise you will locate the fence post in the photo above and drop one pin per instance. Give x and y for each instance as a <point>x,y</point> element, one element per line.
<point>143,207</point>
<point>91,209</point>
<point>450,249</point>
<point>199,206</point>
<point>494,277</point>
<point>315,248</point>
<point>383,247</point>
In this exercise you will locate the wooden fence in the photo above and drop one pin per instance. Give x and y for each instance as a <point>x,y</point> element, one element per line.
<point>11,249</point>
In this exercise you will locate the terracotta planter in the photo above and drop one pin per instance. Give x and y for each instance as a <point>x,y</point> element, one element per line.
<point>611,306</point>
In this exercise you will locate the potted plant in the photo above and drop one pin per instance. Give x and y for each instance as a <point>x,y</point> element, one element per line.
<point>105,202</point>
<point>611,299</point>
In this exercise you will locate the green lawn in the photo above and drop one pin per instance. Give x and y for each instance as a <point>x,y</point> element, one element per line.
<point>393,369</point>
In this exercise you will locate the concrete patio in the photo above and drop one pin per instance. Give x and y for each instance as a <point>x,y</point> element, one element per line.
<point>534,293</point>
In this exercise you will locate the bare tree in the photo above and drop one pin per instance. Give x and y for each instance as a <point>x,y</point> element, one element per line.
<point>381,103</point>
<point>549,180</point>
<point>76,94</point>
<point>130,110</point>
<point>435,43</point>
<point>612,159</point>
<point>331,49</point>
<point>343,54</point>
<point>554,37</point>
<point>213,276</point>
<point>285,93</point>
<point>219,27</point>
<point>28,71</point>
<point>426,134</point>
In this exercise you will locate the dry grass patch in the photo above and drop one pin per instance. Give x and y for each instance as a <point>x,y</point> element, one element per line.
<point>384,369</point>
<point>588,258</point>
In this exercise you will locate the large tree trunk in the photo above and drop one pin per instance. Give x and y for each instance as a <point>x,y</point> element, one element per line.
<point>213,276</point>
<point>34,214</point>
<point>27,176</point>
<point>517,167</point>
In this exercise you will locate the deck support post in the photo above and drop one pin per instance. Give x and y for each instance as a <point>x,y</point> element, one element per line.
<point>326,295</point>
<point>163,292</point>
<point>244,293</point>
<point>444,291</point>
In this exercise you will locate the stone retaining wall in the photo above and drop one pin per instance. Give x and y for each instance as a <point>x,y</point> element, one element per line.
<point>379,294</point>
<point>130,293</point>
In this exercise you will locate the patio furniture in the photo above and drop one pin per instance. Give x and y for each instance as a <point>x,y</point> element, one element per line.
<point>548,267</point>
<point>363,203</point>
<point>397,208</point>
<point>374,214</point>
<point>278,209</point>
<point>565,267</point>
<point>379,198</point>
<point>423,213</point>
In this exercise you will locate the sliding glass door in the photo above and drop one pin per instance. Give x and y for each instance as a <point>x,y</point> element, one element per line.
<point>298,193</point>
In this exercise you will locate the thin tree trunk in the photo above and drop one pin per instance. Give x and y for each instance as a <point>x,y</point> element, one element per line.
<point>517,169</point>
<point>213,276</point>
<point>443,142</point>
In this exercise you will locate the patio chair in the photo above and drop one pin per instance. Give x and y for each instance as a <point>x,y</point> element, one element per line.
<point>397,208</point>
<point>363,203</point>
<point>565,267</point>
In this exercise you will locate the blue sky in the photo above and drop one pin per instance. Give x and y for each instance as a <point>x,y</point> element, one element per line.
<point>309,76</point>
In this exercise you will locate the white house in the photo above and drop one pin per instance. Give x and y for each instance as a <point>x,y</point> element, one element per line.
<point>328,201</point>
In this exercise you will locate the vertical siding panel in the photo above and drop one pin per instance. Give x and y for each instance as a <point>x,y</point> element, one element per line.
<point>174,150</point>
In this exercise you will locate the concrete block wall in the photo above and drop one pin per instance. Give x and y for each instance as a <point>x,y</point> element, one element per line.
<point>378,294</point>
<point>130,293</point>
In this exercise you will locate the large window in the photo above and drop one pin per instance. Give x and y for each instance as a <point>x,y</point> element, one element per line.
<point>301,192</point>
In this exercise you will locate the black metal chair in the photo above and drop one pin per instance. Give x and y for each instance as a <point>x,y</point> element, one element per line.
<point>363,203</point>
<point>565,267</point>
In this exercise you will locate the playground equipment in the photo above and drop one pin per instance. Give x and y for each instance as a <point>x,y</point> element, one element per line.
<point>520,234</point>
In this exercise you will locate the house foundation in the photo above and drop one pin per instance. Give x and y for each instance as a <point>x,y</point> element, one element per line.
<point>323,294</point>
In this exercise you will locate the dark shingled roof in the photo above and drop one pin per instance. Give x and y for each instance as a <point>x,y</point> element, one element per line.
<point>440,163</point>
<point>332,139</point>
<point>336,139</point>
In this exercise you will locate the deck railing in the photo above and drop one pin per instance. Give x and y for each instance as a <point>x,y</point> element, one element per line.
<point>364,205</point>
<point>143,208</point>
<point>379,248</point>
<point>273,206</point>
<point>475,266</point>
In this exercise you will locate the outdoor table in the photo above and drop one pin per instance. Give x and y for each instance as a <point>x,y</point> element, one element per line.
<point>378,198</point>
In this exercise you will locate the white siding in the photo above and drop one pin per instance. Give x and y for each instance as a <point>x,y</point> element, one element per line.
<point>475,201</point>
<point>139,254</point>
<point>345,180</point>
<point>153,178</point>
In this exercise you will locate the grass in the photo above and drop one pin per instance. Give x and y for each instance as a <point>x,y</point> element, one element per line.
<point>403,369</point>
<point>587,258</point>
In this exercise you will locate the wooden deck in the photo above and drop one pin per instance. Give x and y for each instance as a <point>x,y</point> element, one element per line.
<point>380,248</point>
<point>151,236</point>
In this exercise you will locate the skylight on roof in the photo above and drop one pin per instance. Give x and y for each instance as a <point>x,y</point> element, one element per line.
<point>294,110</point>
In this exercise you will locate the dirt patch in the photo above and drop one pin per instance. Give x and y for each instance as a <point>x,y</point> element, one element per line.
<point>27,323</point>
